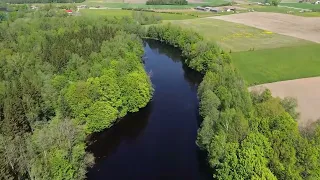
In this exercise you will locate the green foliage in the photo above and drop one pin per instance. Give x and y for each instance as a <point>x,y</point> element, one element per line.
<point>246,137</point>
<point>60,151</point>
<point>146,18</point>
<point>62,77</point>
<point>166,2</point>
<point>3,16</point>
<point>290,104</point>
<point>273,2</point>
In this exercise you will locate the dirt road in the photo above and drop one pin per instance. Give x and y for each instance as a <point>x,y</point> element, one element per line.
<point>306,91</point>
<point>307,28</point>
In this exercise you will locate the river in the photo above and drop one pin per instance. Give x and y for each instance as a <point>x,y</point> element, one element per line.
<point>158,142</point>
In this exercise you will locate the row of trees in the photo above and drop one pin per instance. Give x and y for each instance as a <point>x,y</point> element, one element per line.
<point>61,78</point>
<point>246,136</point>
<point>166,2</point>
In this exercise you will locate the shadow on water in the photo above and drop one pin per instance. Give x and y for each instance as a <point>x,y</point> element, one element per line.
<point>126,129</point>
<point>158,142</point>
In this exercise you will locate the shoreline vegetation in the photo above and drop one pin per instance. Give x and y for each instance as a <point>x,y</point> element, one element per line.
<point>64,77</point>
<point>246,136</point>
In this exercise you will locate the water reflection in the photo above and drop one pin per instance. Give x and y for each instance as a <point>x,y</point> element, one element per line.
<point>160,48</point>
<point>127,129</point>
<point>158,142</point>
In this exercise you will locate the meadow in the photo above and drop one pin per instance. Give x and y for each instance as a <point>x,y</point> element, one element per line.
<point>237,37</point>
<point>141,4</point>
<point>302,5</point>
<point>271,65</point>
<point>122,13</point>
<point>282,9</point>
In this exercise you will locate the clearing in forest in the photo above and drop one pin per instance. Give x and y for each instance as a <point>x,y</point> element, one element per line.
<point>306,91</point>
<point>307,28</point>
<point>238,37</point>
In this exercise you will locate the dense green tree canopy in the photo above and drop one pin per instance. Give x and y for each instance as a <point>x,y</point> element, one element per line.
<point>61,78</point>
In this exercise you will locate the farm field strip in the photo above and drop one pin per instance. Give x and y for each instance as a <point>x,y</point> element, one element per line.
<point>271,65</point>
<point>123,13</point>
<point>238,37</point>
<point>295,26</point>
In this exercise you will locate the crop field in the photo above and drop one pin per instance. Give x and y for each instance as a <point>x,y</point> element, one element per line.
<point>278,64</point>
<point>282,8</point>
<point>238,37</point>
<point>122,13</point>
<point>295,26</point>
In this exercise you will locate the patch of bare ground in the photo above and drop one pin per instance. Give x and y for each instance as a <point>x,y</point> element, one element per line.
<point>307,93</point>
<point>307,28</point>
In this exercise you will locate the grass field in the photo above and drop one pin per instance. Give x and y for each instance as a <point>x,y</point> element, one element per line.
<point>122,13</point>
<point>141,4</point>
<point>302,5</point>
<point>237,37</point>
<point>272,65</point>
<point>283,10</point>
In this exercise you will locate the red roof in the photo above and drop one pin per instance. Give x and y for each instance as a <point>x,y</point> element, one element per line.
<point>69,11</point>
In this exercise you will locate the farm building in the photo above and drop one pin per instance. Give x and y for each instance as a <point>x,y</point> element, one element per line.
<point>69,11</point>
<point>215,10</point>
<point>3,9</point>
<point>200,8</point>
<point>82,6</point>
<point>211,9</point>
<point>34,7</point>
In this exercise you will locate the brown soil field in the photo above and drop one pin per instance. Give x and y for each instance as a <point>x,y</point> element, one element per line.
<point>307,28</point>
<point>307,93</point>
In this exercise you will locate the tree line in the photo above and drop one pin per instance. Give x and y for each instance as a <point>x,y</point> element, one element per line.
<point>166,2</point>
<point>246,135</point>
<point>62,78</point>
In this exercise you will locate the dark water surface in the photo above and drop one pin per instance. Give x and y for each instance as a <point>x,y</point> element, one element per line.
<point>158,142</point>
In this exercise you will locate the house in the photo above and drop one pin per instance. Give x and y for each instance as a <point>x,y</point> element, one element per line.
<point>200,8</point>
<point>3,9</point>
<point>34,7</point>
<point>69,11</point>
<point>214,10</point>
<point>230,9</point>
<point>82,7</point>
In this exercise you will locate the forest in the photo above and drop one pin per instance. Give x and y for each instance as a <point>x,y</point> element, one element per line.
<point>61,79</point>
<point>166,2</point>
<point>245,135</point>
